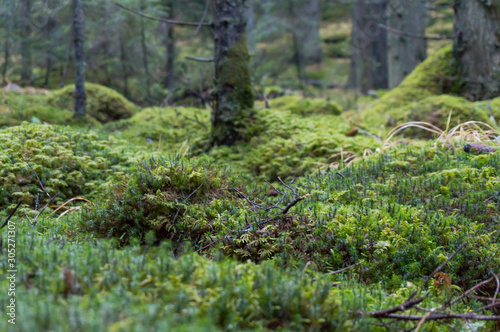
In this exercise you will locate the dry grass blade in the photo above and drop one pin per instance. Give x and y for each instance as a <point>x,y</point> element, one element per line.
<point>73,199</point>
<point>75,208</point>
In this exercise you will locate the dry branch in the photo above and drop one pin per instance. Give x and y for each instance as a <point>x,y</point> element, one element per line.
<point>164,20</point>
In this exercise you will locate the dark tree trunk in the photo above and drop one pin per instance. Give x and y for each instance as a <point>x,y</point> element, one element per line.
<point>145,60</point>
<point>250,17</point>
<point>51,24</point>
<point>79,40</point>
<point>369,46</point>
<point>298,55</point>
<point>233,87</point>
<point>26,30</point>
<point>170,45</point>
<point>307,17</point>
<point>477,47</point>
<point>66,64</point>
<point>7,46</point>
<point>123,61</point>
<point>405,53</point>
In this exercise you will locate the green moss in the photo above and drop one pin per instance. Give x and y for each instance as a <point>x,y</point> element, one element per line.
<point>68,162</point>
<point>306,106</point>
<point>425,95</point>
<point>234,72</point>
<point>173,126</point>
<point>103,104</point>
<point>174,198</point>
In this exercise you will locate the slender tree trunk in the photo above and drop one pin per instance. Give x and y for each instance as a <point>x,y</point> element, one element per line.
<point>48,67</point>
<point>145,61</point>
<point>26,62</point>
<point>298,57</point>
<point>369,46</point>
<point>123,61</point>
<point>476,47</point>
<point>307,17</point>
<point>79,40</point>
<point>170,45</point>
<point>66,64</point>
<point>7,46</point>
<point>250,17</point>
<point>405,53</point>
<point>233,87</point>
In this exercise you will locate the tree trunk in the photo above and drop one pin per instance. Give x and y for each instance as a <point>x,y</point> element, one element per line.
<point>123,61</point>
<point>170,45</point>
<point>306,28</point>
<point>233,87</point>
<point>66,64</point>
<point>145,61</point>
<point>405,53</point>
<point>51,24</point>
<point>79,40</point>
<point>26,30</point>
<point>476,47</point>
<point>7,46</point>
<point>369,69</point>
<point>250,17</point>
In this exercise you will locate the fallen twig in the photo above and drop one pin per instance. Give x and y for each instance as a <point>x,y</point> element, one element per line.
<point>345,268</point>
<point>12,213</point>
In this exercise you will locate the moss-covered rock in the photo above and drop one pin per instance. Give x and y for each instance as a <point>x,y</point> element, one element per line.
<point>68,162</point>
<point>426,95</point>
<point>306,106</point>
<point>104,104</point>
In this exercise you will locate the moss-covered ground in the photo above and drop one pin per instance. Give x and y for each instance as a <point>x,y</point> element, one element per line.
<point>165,234</point>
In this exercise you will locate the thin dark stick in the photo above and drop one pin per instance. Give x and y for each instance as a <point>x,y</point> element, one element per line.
<point>164,20</point>
<point>198,59</point>
<point>202,18</point>
<point>486,307</point>
<point>39,181</point>
<point>345,268</point>
<point>186,199</point>
<point>437,270</point>
<point>292,204</point>
<point>411,35</point>
<point>497,289</point>
<point>40,213</point>
<point>12,213</point>
<point>465,294</point>
<point>402,307</point>
<point>443,316</point>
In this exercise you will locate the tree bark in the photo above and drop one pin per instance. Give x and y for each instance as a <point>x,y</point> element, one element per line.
<point>79,40</point>
<point>306,27</point>
<point>123,62</point>
<point>145,61</point>
<point>369,66</point>
<point>233,87</point>
<point>66,64</point>
<point>250,17</point>
<point>170,46</point>
<point>476,47</point>
<point>26,30</point>
<point>7,46</point>
<point>405,53</point>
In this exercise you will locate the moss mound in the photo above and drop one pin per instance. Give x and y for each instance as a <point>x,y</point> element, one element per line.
<point>175,199</point>
<point>104,104</point>
<point>306,106</point>
<point>68,162</point>
<point>427,95</point>
<point>17,107</point>
<point>174,126</point>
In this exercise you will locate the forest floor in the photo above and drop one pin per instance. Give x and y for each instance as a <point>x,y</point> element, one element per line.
<point>125,222</point>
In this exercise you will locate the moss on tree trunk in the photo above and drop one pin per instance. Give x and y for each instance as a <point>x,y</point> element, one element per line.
<point>233,94</point>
